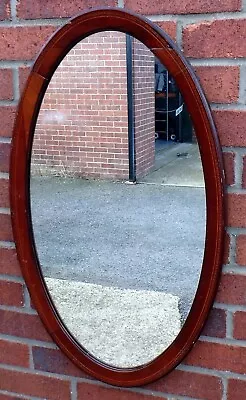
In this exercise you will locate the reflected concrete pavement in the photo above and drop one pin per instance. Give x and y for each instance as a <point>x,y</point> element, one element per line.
<point>147,236</point>
<point>176,164</point>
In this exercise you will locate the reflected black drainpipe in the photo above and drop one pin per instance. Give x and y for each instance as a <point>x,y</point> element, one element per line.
<point>130,105</point>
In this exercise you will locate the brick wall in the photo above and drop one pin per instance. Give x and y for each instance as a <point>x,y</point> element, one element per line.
<point>144,103</point>
<point>82,127</point>
<point>211,34</point>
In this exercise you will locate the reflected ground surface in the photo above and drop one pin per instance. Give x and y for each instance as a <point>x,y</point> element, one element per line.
<point>144,237</point>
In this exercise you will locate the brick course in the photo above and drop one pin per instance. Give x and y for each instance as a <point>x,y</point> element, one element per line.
<point>4,157</point>
<point>8,262</point>
<point>6,89</point>
<point>4,194</point>
<point>56,9</point>
<point>93,392</point>
<point>236,214</point>
<point>216,324</point>
<point>184,7</point>
<point>236,389</point>
<point>229,165</point>
<point>190,384</point>
<point>11,294</point>
<point>5,227</point>
<point>7,115</point>
<point>239,325</point>
<point>232,290</point>
<point>54,361</point>
<point>22,325</point>
<point>11,397</point>
<point>230,126</point>
<point>221,84</point>
<point>170,27</point>
<point>210,39</point>
<point>35,385</point>
<point>14,353</point>
<point>227,243</point>
<point>244,173</point>
<point>5,10</point>
<point>12,46</point>
<point>217,356</point>
<point>241,250</point>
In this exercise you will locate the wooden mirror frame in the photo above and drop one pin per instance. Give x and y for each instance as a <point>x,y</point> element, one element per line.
<point>164,48</point>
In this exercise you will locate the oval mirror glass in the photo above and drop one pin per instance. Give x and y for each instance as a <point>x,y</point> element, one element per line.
<point>117,199</point>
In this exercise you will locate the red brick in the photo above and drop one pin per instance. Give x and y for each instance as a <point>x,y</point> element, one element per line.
<point>11,397</point>
<point>7,116</point>
<point>57,154</point>
<point>95,392</point>
<point>189,384</point>
<point>182,7</point>
<point>57,8</point>
<point>241,250</point>
<point>5,227</point>
<point>5,9</point>
<point>23,43</point>
<point>219,38</point>
<point>221,84</point>
<point>11,294</point>
<point>229,165</point>
<point>22,325</point>
<point>218,356</point>
<point>23,75</point>
<point>52,360</point>
<point>227,244</point>
<point>236,389</point>
<point>239,325</point>
<point>4,193</point>
<point>6,88</point>
<point>232,289</point>
<point>4,157</point>
<point>244,173</point>
<point>231,127</point>
<point>236,210</point>
<point>216,324</point>
<point>14,353</point>
<point>35,385</point>
<point>170,27</point>
<point>8,262</point>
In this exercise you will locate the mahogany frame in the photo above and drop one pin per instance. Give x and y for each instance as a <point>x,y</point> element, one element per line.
<point>47,61</point>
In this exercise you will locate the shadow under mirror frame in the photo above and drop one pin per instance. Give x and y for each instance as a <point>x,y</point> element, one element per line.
<point>164,48</point>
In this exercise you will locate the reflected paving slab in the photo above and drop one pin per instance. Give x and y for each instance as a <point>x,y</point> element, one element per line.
<point>122,327</point>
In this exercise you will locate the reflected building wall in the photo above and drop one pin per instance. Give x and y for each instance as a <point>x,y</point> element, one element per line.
<point>82,128</point>
<point>82,125</point>
<point>144,102</point>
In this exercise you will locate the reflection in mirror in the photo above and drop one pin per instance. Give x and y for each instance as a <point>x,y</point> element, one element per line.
<point>121,261</point>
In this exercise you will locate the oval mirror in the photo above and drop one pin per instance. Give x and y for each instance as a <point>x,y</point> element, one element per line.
<point>120,231</point>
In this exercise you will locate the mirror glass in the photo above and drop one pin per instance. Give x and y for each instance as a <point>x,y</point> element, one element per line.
<point>117,199</point>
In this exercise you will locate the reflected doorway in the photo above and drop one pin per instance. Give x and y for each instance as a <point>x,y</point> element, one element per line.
<point>177,159</point>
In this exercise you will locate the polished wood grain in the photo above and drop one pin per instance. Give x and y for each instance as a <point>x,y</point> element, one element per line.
<point>49,58</point>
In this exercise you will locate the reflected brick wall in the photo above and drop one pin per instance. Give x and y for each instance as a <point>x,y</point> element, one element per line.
<point>144,102</point>
<point>82,128</point>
